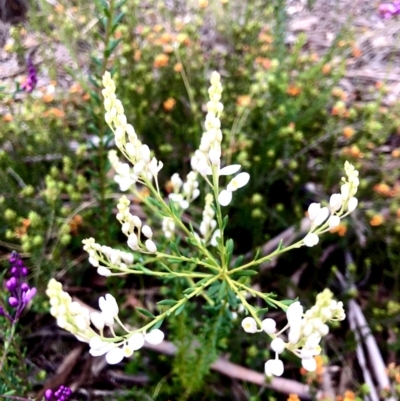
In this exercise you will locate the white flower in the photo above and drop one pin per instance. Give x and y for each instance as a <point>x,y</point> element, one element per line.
<point>352,204</point>
<point>333,221</point>
<point>322,216</point>
<point>309,364</point>
<point>311,239</point>
<point>115,356</point>
<point>335,202</point>
<point>151,246</point>
<point>274,367</point>
<point>238,182</point>
<point>97,320</point>
<point>249,325</point>
<point>109,308</point>
<point>214,156</point>
<point>147,232</point>
<point>99,347</point>
<point>278,345</point>
<point>216,234</point>
<point>294,313</point>
<point>225,197</point>
<point>103,271</point>
<point>313,210</point>
<point>269,325</point>
<point>229,170</point>
<point>136,341</point>
<point>154,337</point>
<point>133,241</point>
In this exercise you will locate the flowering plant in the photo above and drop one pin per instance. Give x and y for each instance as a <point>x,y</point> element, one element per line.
<point>198,254</point>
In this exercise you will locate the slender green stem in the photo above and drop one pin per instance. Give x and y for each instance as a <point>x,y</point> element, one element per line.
<point>102,125</point>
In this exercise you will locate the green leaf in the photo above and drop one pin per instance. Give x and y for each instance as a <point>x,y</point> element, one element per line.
<point>270,303</point>
<point>157,325</point>
<point>166,267</point>
<point>111,46</point>
<point>180,309</point>
<point>224,222</point>
<point>174,248</point>
<point>188,290</point>
<point>145,312</point>
<point>229,251</point>
<point>214,288</point>
<point>170,302</point>
<point>262,311</point>
<point>222,290</point>
<point>233,302</point>
<point>280,246</point>
<point>238,261</point>
<point>144,269</point>
<point>245,273</point>
<point>116,21</point>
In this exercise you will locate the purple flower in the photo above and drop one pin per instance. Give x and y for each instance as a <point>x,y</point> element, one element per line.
<point>62,394</point>
<point>20,292</point>
<point>31,80</point>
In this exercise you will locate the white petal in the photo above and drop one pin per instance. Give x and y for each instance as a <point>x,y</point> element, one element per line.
<point>309,364</point>
<point>136,341</point>
<point>294,313</point>
<point>97,320</point>
<point>313,211</point>
<point>151,246</point>
<point>333,221</point>
<point>107,347</point>
<point>268,367</point>
<point>294,335</point>
<point>353,202</point>
<point>238,182</point>
<point>278,367</point>
<point>269,325</point>
<point>335,202</point>
<point>115,356</point>
<point>229,170</point>
<point>217,234</point>
<point>311,239</point>
<point>278,345</point>
<point>322,216</point>
<point>133,241</point>
<point>147,232</point>
<point>214,156</point>
<point>225,197</point>
<point>103,271</point>
<point>154,337</point>
<point>249,325</point>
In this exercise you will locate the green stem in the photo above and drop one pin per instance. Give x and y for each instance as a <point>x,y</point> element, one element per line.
<point>102,126</point>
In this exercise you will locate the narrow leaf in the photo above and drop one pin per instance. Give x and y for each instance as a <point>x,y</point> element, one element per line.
<point>145,312</point>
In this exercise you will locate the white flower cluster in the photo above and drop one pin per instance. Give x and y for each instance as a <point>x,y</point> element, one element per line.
<point>105,258</point>
<point>340,205</point>
<point>184,192</point>
<point>209,152</point>
<point>168,227</point>
<point>126,139</point>
<point>124,175</point>
<point>76,319</point>
<point>133,228</point>
<point>70,315</point>
<point>305,331</point>
<point>208,223</point>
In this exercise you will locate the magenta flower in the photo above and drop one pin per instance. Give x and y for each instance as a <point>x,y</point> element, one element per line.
<point>20,292</point>
<point>388,10</point>
<point>31,80</point>
<point>62,394</point>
